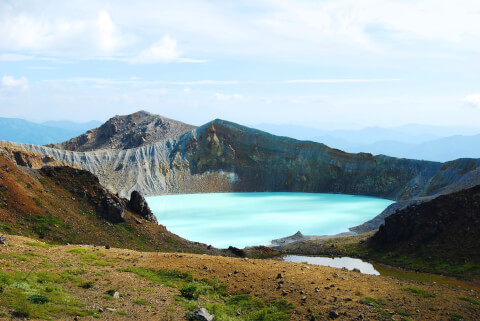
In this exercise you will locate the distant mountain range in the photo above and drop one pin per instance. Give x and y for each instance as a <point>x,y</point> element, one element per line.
<point>23,131</point>
<point>435,143</point>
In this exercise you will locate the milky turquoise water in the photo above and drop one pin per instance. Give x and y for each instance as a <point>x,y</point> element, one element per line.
<point>245,219</point>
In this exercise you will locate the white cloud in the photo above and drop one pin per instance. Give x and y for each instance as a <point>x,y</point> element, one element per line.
<point>225,97</point>
<point>148,32</point>
<point>9,81</point>
<point>109,38</point>
<point>164,50</point>
<point>473,100</point>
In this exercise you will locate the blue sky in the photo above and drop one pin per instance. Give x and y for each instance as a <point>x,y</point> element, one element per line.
<point>330,64</point>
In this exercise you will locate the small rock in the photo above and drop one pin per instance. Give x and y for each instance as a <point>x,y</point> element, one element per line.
<point>348,299</point>
<point>356,270</point>
<point>107,247</point>
<point>3,239</point>
<point>279,276</point>
<point>110,309</point>
<point>201,314</point>
<point>100,310</point>
<point>333,314</point>
<point>116,295</point>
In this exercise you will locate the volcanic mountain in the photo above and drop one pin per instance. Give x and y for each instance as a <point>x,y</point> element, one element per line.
<point>125,132</point>
<point>222,156</point>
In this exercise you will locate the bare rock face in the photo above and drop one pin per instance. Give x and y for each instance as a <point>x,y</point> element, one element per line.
<point>125,132</point>
<point>139,205</point>
<point>111,209</point>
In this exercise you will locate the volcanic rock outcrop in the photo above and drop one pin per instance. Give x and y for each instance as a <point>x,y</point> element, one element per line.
<point>138,204</point>
<point>444,229</point>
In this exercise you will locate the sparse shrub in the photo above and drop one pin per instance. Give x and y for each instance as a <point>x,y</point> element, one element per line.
<point>38,299</point>
<point>189,292</point>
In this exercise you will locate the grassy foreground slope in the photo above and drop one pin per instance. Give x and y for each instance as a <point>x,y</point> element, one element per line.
<point>40,280</point>
<point>61,209</point>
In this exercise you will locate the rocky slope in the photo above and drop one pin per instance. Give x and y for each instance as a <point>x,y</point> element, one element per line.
<point>66,205</point>
<point>125,132</point>
<point>445,230</point>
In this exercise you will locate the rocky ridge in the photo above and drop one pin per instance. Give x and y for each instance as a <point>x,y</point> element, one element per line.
<point>221,156</point>
<point>125,132</point>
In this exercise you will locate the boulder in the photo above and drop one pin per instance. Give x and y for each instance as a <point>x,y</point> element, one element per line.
<point>111,209</point>
<point>201,314</point>
<point>139,205</point>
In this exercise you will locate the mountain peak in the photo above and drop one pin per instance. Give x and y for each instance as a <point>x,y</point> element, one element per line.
<point>127,131</point>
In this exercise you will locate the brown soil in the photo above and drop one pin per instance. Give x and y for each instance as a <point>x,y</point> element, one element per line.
<point>310,288</point>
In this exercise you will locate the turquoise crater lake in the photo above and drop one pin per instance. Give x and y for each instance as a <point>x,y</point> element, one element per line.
<point>245,219</point>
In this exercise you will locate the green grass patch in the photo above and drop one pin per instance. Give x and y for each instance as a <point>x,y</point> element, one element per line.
<point>219,302</point>
<point>38,296</point>
<point>37,201</point>
<point>39,244</point>
<point>419,292</point>
<point>141,302</point>
<point>457,317</point>
<point>18,257</point>
<point>247,308</point>
<point>403,312</point>
<point>43,224</point>
<point>371,301</point>
<point>473,301</point>
<point>79,250</point>
<point>5,228</point>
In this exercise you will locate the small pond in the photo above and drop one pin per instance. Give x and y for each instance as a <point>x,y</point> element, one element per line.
<point>336,262</point>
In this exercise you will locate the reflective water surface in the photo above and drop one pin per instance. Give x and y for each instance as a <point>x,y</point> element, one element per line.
<point>244,219</point>
<point>337,262</point>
